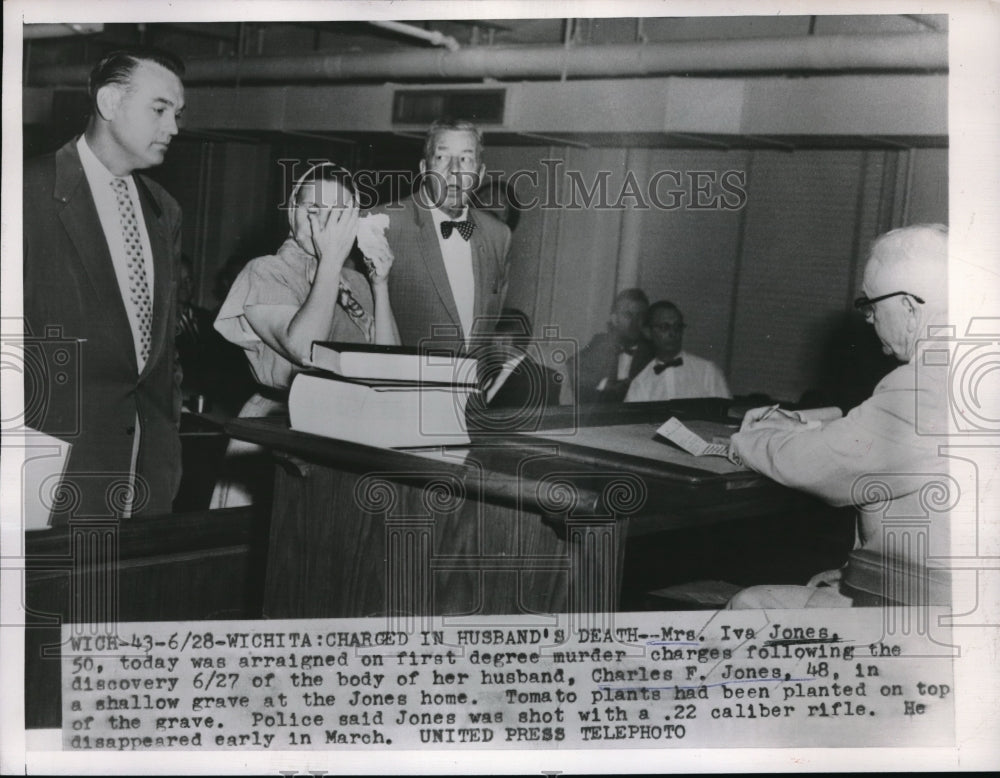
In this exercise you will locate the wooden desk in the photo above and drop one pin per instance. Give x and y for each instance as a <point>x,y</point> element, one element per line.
<point>189,566</point>
<point>515,524</point>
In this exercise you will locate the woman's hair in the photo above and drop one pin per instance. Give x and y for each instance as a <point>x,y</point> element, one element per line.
<point>324,171</point>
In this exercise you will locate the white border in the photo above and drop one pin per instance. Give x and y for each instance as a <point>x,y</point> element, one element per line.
<point>974,123</point>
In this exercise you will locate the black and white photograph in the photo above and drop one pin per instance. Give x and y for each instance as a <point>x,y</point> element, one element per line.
<point>500,387</point>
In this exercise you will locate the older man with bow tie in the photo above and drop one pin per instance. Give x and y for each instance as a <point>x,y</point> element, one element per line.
<point>673,373</point>
<point>450,271</point>
<point>886,453</point>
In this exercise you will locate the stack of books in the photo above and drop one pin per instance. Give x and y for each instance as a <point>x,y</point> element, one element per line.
<point>390,396</point>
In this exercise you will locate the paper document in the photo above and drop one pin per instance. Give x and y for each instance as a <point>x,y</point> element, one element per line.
<point>690,441</point>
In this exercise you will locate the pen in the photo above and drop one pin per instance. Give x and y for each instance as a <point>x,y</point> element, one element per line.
<point>768,412</point>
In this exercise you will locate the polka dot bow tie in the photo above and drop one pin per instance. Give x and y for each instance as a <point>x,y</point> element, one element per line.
<point>464,229</point>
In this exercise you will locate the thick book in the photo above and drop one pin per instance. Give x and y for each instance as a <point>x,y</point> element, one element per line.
<point>394,363</point>
<point>390,414</point>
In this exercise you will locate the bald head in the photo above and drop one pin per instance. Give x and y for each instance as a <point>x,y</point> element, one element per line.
<point>909,268</point>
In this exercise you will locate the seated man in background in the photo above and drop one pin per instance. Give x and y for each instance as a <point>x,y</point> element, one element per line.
<point>905,292</point>
<point>607,365</point>
<point>673,374</point>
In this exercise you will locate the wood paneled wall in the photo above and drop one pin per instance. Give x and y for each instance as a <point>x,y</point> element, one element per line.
<point>764,287</point>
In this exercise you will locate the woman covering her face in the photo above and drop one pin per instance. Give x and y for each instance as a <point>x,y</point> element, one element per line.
<point>280,304</point>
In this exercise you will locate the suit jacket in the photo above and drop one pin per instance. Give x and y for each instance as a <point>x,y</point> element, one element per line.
<point>529,386</point>
<point>882,457</point>
<point>419,289</point>
<point>598,360</point>
<point>72,302</point>
<point>518,404</point>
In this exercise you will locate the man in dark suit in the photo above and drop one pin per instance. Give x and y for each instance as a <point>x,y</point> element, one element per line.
<point>606,366</point>
<point>450,268</point>
<point>519,381</point>
<point>101,254</point>
<point>516,389</point>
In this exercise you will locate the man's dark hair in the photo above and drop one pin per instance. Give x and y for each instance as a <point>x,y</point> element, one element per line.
<point>444,125</point>
<point>632,295</point>
<point>118,66</point>
<point>662,305</point>
<point>514,322</point>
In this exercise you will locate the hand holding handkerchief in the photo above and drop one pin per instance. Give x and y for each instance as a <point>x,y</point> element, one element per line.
<point>374,246</point>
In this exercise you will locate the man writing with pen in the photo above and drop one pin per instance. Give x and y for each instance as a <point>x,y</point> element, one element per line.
<point>904,294</point>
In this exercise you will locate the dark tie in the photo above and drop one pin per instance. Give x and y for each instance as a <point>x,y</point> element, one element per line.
<point>464,229</point>
<point>659,367</point>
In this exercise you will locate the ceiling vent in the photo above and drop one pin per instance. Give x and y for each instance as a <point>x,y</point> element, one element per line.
<point>423,106</point>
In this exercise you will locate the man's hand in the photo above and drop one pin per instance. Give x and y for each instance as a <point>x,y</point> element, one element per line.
<point>772,417</point>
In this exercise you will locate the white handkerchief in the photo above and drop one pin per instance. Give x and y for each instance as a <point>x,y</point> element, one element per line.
<point>373,243</point>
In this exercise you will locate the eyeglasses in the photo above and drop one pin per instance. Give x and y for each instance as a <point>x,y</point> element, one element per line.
<point>668,327</point>
<point>866,304</point>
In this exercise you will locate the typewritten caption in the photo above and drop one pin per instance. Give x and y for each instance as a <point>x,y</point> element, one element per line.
<point>695,679</point>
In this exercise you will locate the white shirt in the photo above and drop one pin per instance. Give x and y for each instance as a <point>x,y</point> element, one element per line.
<point>457,254</point>
<point>503,375</point>
<point>100,180</point>
<point>624,365</point>
<point>696,377</point>
<point>624,368</point>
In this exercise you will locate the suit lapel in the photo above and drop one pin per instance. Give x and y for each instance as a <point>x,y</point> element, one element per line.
<point>159,244</point>
<point>83,225</point>
<point>430,250</point>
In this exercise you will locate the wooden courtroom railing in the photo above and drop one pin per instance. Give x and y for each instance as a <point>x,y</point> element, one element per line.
<point>188,566</point>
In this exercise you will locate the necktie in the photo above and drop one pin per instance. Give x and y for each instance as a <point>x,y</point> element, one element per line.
<point>659,367</point>
<point>187,323</point>
<point>464,229</point>
<point>138,286</point>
